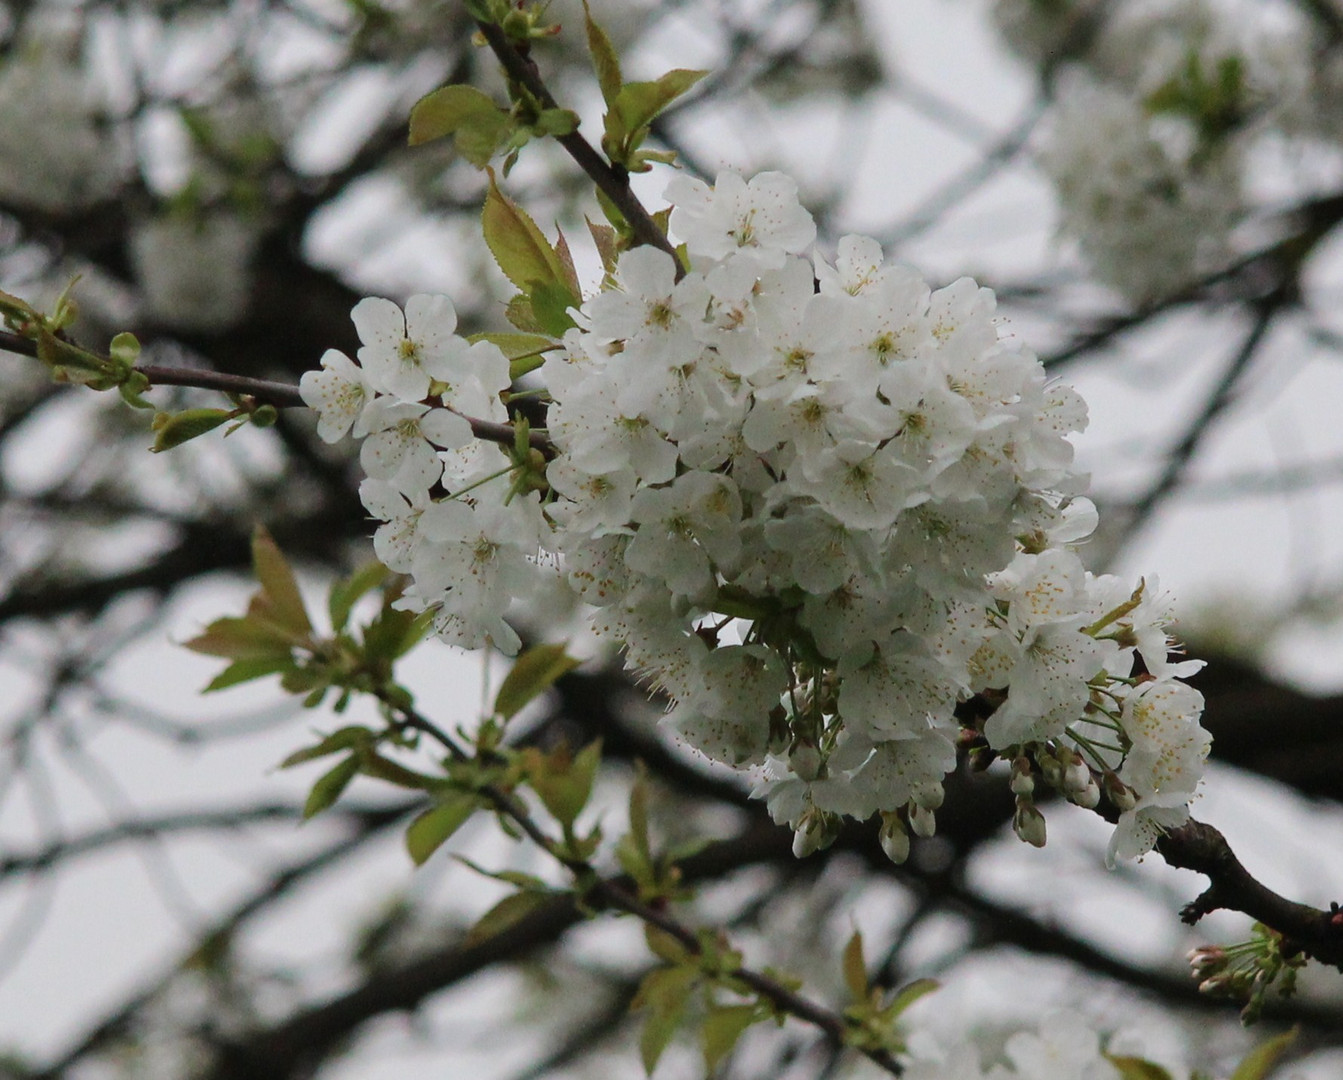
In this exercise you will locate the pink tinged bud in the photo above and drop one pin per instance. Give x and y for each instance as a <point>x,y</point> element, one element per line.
<point>921,820</point>
<point>1029,824</point>
<point>1207,959</point>
<point>894,839</point>
<point>1119,793</point>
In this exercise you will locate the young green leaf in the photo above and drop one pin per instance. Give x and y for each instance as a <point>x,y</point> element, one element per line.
<point>241,671</point>
<point>563,781</point>
<point>664,994</point>
<point>330,786</point>
<point>723,1026</point>
<point>534,672</point>
<point>508,912</point>
<point>174,429</point>
<point>278,584</point>
<point>855,968</point>
<point>346,592</point>
<point>604,59</point>
<point>478,126</point>
<point>241,639</point>
<point>1259,1061</point>
<point>427,833</point>
<point>347,738</point>
<point>1132,1068</point>
<point>518,245</point>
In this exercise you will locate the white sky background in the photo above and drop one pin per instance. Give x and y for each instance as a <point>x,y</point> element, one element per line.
<point>107,925</point>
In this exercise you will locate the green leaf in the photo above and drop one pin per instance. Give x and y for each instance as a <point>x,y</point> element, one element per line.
<point>526,882</point>
<point>604,59</point>
<point>519,312</point>
<point>427,833</point>
<point>639,103</point>
<point>723,1026</point>
<point>519,247</point>
<point>241,639</point>
<point>556,122</point>
<point>241,671</point>
<point>664,993</point>
<point>385,635</point>
<point>607,242</point>
<point>534,672</point>
<point>566,259</point>
<point>346,738</point>
<point>907,995</point>
<point>125,348</point>
<point>278,584</point>
<point>478,126</point>
<point>173,429</point>
<point>329,786</point>
<point>525,347</point>
<point>1263,1057</point>
<point>550,305</point>
<point>346,592</point>
<point>855,968</point>
<point>508,912</point>
<point>1131,1068</point>
<point>563,782</point>
<point>381,768</point>
<point>635,107</point>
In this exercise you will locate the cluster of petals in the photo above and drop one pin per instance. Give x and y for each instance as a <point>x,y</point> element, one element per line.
<point>1162,113</point>
<point>1064,1047</point>
<point>410,397</point>
<point>818,503</point>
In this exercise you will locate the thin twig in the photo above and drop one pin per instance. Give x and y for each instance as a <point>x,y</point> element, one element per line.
<point>613,181</point>
<point>615,893</point>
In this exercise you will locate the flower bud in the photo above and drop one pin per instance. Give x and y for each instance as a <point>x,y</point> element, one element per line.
<point>1207,959</point>
<point>894,838</point>
<point>1119,793</point>
<point>810,835</point>
<point>1050,768</point>
<point>1022,782</point>
<point>1029,824</point>
<point>921,820</point>
<point>1088,798</point>
<point>1076,775</point>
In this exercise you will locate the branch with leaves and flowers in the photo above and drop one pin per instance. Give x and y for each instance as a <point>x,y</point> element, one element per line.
<point>828,511</point>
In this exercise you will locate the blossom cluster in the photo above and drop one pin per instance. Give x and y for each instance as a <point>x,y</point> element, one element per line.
<point>1162,116</point>
<point>1064,1046</point>
<point>818,503</point>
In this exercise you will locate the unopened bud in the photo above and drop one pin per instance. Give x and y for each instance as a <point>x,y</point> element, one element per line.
<point>1050,768</point>
<point>1076,775</point>
<point>1029,824</point>
<point>1022,782</point>
<point>921,820</point>
<point>810,835</point>
<point>1119,793</point>
<point>894,838</point>
<point>1088,798</point>
<point>1207,959</point>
